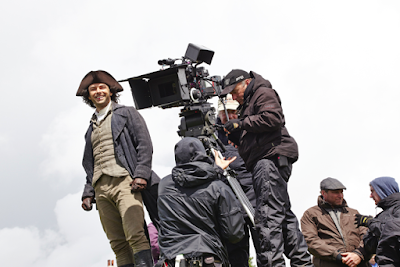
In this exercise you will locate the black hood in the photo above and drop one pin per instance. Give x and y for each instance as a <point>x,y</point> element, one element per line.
<point>187,149</point>
<point>193,166</point>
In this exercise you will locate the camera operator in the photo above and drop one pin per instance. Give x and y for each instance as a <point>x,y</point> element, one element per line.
<point>238,253</point>
<point>196,209</point>
<point>268,152</point>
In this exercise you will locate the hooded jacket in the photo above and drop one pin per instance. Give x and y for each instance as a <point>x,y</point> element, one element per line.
<point>323,238</point>
<point>264,133</point>
<point>373,240</point>
<point>196,209</point>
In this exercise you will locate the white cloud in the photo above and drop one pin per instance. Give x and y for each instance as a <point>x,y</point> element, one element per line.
<point>63,144</point>
<point>78,241</point>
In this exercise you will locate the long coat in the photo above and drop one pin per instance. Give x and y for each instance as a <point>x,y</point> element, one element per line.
<point>133,150</point>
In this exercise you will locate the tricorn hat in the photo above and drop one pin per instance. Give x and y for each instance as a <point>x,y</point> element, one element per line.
<point>99,76</point>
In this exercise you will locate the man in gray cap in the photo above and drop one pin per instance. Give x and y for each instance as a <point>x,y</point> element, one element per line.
<point>329,229</point>
<point>117,160</point>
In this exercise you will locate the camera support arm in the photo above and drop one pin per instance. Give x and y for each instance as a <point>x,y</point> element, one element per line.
<point>231,177</point>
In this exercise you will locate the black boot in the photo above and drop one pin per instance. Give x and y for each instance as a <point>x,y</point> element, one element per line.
<point>128,265</point>
<point>143,258</point>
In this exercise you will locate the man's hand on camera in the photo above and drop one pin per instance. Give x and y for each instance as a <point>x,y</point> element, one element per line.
<point>233,125</point>
<point>138,184</point>
<point>87,203</point>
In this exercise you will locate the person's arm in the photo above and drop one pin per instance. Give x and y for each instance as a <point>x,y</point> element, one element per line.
<point>268,113</point>
<point>88,165</point>
<point>142,141</point>
<point>230,217</point>
<point>387,253</point>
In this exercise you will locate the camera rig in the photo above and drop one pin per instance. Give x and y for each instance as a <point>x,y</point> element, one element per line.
<point>185,84</point>
<point>189,86</point>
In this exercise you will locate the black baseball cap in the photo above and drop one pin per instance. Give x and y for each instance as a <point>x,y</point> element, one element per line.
<point>232,78</point>
<point>331,184</point>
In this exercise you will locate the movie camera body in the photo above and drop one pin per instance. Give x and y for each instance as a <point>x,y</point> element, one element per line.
<point>185,84</point>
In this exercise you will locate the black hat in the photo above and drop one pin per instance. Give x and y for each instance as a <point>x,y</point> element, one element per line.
<point>232,78</point>
<point>331,184</point>
<point>99,76</point>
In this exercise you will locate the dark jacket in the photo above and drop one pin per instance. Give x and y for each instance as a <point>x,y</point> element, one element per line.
<point>264,133</point>
<point>196,210</point>
<point>372,240</point>
<point>388,250</point>
<point>133,150</point>
<point>323,238</point>
<point>244,177</point>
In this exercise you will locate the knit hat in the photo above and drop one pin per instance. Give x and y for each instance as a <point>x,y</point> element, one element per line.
<point>384,186</point>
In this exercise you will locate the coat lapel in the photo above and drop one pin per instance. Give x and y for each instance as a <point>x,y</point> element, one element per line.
<point>118,121</point>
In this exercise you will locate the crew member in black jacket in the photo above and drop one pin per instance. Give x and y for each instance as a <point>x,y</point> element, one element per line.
<point>196,209</point>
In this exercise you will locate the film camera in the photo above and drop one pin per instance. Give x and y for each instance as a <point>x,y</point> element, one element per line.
<point>184,84</point>
<point>190,86</point>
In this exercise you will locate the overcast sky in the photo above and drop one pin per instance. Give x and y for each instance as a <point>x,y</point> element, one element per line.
<point>335,65</point>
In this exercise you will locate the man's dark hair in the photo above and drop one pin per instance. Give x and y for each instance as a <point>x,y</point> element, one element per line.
<point>85,96</point>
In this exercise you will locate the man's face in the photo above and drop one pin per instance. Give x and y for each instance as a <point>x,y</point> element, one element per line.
<point>100,95</point>
<point>333,197</point>
<point>374,195</point>
<point>238,92</point>
<point>231,114</point>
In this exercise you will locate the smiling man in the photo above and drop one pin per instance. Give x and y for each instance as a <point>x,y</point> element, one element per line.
<point>329,229</point>
<point>117,160</point>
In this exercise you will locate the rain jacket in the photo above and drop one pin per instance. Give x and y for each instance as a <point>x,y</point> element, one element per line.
<point>263,126</point>
<point>133,150</point>
<point>196,209</point>
<point>323,238</point>
<point>379,234</point>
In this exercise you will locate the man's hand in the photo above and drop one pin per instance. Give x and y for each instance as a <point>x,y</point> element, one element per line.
<point>351,259</point>
<point>233,125</point>
<point>222,162</point>
<point>138,184</point>
<point>362,220</point>
<point>87,203</point>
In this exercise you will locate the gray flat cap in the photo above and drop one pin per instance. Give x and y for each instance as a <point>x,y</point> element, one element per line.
<point>331,184</point>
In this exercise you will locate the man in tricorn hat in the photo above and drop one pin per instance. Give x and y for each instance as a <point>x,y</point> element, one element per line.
<point>329,229</point>
<point>117,160</point>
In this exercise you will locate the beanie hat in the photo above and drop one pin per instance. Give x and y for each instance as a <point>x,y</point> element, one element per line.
<point>385,186</point>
